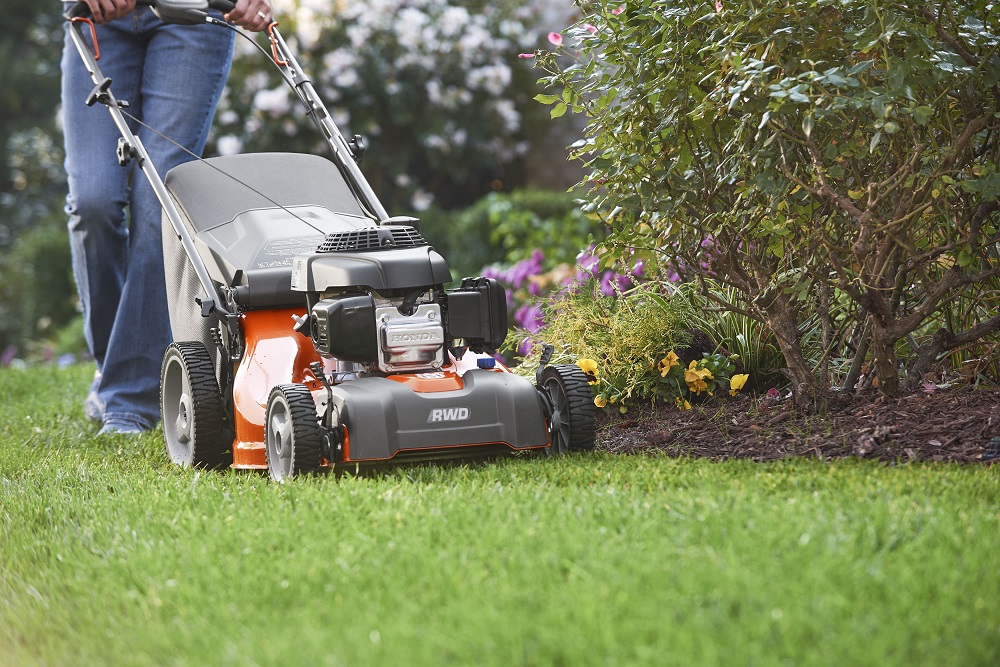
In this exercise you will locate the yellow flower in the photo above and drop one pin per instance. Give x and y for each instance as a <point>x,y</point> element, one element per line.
<point>589,368</point>
<point>695,377</point>
<point>736,382</point>
<point>682,404</point>
<point>668,362</point>
<point>600,401</point>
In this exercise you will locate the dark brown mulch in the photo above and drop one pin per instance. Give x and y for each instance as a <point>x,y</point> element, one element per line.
<point>954,424</point>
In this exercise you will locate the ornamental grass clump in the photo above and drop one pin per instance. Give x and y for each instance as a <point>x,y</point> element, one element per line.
<point>629,345</point>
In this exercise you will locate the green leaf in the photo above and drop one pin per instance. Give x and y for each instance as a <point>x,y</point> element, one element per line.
<point>861,67</point>
<point>558,110</point>
<point>874,142</point>
<point>546,99</point>
<point>807,124</point>
<point>922,114</point>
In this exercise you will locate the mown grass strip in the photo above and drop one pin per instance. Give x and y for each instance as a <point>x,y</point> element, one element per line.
<point>111,556</point>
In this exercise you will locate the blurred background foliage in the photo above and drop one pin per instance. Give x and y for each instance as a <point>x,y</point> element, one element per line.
<point>435,86</point>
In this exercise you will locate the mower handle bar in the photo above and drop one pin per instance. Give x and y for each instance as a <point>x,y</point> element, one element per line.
<point>194,10</point>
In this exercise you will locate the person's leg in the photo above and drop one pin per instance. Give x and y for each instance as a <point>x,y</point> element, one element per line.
<point>98,188</point>
<point>183,75</point>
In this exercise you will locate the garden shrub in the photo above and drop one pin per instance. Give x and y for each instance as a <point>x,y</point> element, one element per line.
<point>37,291</point>
<point>835,162</point>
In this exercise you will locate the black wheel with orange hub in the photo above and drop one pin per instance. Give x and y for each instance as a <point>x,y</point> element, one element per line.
<point>292,436</point>
<point>570,406</point>
<point>195,425</point>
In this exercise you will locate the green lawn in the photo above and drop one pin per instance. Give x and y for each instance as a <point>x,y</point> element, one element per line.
<point>110,556</point>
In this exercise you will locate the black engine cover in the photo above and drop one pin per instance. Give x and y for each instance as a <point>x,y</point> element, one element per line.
<point>345,328</point>
<point>477,313</point>
<point>398,268</point>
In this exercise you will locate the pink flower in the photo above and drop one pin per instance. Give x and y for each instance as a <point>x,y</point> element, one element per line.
<point>555,38</point>
<point>526,55</point>
<point>618,10</point>
<point>590,28</point>
<point>718,6</point>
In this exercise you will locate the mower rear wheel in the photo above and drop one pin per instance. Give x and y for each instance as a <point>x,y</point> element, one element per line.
<point>292,435</point>
<point>567,396</point>
<point>194,419</point>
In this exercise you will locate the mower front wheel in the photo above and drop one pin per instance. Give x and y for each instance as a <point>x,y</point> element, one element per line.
<point>292,436</point>
<point>194,420</point>
<point>570,406</point>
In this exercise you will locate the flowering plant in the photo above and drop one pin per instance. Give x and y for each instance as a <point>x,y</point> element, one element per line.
<point>435,87</point>
<point>700,378</point>
<point>677,383</point>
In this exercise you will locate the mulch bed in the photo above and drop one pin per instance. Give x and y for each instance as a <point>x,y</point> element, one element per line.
<point>956,424</point>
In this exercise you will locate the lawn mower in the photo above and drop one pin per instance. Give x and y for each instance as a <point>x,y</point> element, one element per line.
<point>314,332</point>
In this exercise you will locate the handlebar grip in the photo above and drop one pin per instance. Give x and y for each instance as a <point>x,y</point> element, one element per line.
<point>224,6</point>
<point>82,9</point>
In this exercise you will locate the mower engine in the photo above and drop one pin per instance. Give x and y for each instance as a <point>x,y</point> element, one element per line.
<point>375,298</point>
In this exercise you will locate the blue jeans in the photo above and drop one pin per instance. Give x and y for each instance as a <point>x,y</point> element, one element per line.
<point>172,77</point>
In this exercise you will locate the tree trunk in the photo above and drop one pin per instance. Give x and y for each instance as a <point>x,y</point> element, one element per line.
<point>884,356</point>
<point>781,318</point>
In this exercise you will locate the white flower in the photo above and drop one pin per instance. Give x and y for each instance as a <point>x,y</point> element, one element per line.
<point>409,28</point>
<point>229,145</point>
<point>453,20</point>
<point>436,142</point>
<point>508,114</point>
<point>274,102</point>
<point>421,200</point>
<point>494,79</point>
<point>309,30</point>
<point>228,117</point>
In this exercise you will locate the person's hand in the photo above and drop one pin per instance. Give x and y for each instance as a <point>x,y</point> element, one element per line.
<point>253,15</point>
<point>109,10</point>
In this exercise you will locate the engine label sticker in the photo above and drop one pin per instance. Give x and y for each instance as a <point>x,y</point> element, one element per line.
<point>281,252</point>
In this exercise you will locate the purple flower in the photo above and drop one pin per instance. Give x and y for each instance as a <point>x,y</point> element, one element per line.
<point>529,317</point>
<point>589,262</point>
<point>607,288</point>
